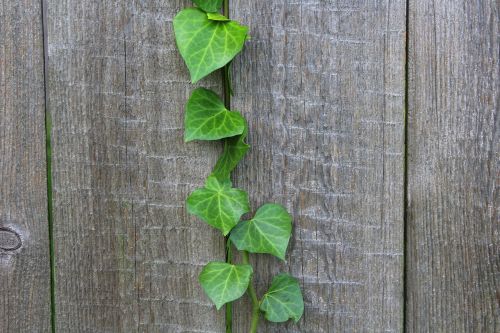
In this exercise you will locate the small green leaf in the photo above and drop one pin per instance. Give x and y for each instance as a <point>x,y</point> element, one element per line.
<point>283,300</point>
<point>217,17</point>
<point>208,119</point>
<point>218,204</point>
<point>209,5</point>
<point>234,150</point>
<point>224,282</point>
<point>206,45</point>
<point>268,232</point>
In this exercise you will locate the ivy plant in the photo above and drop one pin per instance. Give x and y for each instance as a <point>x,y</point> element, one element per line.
<point>205,43</point>
<point>208,119</point>
<point>208,40</point>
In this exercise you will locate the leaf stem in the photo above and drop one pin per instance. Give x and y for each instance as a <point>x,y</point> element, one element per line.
<point>253,296</point>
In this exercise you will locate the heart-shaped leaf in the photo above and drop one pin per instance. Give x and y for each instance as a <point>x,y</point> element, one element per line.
<point>209,5</point>
<point>218,204</point>
<point>268,232</point>
<point>234,150</point>
<point>283,300</point>
<point>208,119</point>
<point>206,45</point>
<point>224,282</point>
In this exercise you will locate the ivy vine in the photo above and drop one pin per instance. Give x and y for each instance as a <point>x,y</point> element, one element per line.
<point>208,41</point>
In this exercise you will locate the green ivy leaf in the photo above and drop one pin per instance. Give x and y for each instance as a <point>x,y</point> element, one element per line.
<point>217,17</point>
<point>268,232</point>
<point>208,119</point>
<point>206,45</point>
<point>234,150</point>
<point>218,204</point>
<point>209,5</point>
<point>283,300</point>
<point>224,282</point>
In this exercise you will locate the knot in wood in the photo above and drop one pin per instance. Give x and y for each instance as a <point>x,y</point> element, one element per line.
<point>10,240</point>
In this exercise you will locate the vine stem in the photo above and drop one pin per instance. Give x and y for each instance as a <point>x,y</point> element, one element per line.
<point>253,296</point>
<point>229,306</point>
<point>226,79</point>
<point>227,103</point>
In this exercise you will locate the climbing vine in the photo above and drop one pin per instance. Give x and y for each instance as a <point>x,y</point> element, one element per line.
<point>208,41</point>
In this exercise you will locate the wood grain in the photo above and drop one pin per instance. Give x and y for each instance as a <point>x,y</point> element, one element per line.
<point>453,167</point>
<point>127,254</point>
<point>24,240</point>
<point>322,84</point>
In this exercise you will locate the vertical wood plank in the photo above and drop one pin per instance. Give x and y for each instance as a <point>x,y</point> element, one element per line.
<point>322,84</point>
<point>24,240</point>
<point>453,167</point>
<point>127,254</point>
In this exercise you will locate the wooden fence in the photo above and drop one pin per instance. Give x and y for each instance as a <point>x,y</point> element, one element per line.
<point>375,122</point>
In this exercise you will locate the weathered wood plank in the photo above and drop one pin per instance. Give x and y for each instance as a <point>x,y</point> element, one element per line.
<point>127,254</point>
<point>25,271</point>
<point>322,84</point>
<point>453,167</point>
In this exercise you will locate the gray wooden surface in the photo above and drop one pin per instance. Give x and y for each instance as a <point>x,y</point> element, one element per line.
<point>127,254</point>
<point>322,84</point>
<point>24,241</point>
<point>453,259</point>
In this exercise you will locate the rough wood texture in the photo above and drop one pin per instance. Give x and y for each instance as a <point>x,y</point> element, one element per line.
<point>25,271</point>
<point>127,254</point>
<point>453,167</point>
<point>322,84</point>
